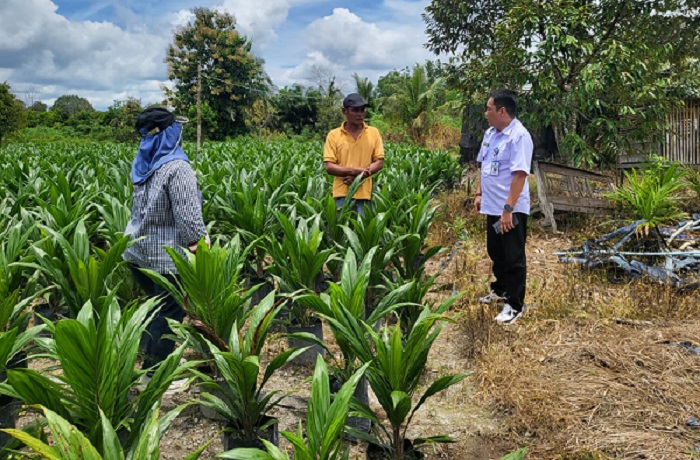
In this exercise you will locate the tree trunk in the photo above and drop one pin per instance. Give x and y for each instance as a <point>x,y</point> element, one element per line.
<point>561,131</point>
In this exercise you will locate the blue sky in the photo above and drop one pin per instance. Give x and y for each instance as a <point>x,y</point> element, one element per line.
<point>108,50</point>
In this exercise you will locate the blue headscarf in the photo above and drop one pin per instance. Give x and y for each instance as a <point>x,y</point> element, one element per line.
<point>157,150</point>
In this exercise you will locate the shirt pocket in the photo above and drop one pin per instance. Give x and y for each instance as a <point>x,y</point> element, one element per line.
<point>504,157</point>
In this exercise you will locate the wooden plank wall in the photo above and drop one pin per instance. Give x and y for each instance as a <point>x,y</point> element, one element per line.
<point>562,188</point>
<point>682,135</point>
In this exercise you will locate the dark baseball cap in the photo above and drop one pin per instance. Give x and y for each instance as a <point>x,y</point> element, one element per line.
<point>155,117</point>
<point>354,100</point>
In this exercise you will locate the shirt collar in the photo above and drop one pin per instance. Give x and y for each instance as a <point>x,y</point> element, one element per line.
<point>342,126</point>
<point>505,131</point>
<point>509,129</point>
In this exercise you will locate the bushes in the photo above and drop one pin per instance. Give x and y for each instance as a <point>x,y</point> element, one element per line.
<point>653,196</point>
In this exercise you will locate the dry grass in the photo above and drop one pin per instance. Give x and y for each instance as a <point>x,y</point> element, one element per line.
<point>442,137</point>
<point>574,388</point>
<point>570,381</point>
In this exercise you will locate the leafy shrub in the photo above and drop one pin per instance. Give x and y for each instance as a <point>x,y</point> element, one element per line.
<point>653,195</point>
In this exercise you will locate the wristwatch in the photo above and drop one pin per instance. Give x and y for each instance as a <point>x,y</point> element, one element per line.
<point>507,208</point>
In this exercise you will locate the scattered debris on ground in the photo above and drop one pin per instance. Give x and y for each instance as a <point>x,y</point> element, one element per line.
<point>665,255</point>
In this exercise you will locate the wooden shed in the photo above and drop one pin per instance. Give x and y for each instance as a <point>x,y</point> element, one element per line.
<point>680,141</point>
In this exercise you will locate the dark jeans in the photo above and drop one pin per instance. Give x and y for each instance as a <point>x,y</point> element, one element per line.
<point>507,252</point>
<point>357,205</point>
<point>158,348</point>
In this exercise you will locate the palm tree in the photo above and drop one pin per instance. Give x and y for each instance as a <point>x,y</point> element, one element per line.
<point>415,99</point>
<point>364,87</point>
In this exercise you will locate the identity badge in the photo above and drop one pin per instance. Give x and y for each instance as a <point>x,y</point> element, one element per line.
<point>494,168</point>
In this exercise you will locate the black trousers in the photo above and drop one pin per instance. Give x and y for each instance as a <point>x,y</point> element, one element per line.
<point>507,252</point>
<point>156,347</point>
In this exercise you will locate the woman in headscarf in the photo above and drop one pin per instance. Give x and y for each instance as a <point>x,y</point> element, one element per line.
<point>166,212</point>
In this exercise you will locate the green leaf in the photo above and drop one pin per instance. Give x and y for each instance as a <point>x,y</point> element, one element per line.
<point>516,455</point>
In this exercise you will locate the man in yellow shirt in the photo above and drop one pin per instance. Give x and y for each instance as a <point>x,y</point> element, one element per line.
<point>354,149</point>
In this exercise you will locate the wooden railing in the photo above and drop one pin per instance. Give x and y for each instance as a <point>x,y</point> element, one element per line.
<point>561,188</point>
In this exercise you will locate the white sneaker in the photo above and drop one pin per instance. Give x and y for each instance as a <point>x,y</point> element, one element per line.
<point>506,312</point>
<point>176,386</point>
<point>491,297</point>
<point>508,315</point>
<point>140,387</point>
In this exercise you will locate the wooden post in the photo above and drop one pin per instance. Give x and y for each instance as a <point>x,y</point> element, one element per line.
<point>199,111</point>
<point>545,206</point>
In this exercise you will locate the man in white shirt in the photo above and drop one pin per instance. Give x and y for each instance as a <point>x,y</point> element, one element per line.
<point>504,197</point>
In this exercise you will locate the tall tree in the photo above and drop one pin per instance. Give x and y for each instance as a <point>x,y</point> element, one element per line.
<point>38,106</point>
<point>13,115</point>
<point>602,73</point>
<point>330,115</point>
<point>70,105</point>
<point>232,78</point>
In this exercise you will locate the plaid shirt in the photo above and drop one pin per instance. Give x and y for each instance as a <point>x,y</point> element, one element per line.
<point>167,211</point>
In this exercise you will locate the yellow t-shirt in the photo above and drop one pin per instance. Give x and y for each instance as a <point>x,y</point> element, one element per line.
<point>342,149</point>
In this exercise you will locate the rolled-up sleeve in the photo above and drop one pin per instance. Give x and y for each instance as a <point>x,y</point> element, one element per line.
<point>329,154</point>
<point>186,204</point>
<point>378,152</point>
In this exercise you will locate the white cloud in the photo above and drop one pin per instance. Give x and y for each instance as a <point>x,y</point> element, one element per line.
<point>258,20</point>
<point>180,18</point>
<point>44,50</point>
<point>349,41</point>
<point>347,44</point>
<point>44,53</point>
<point>308,71</point>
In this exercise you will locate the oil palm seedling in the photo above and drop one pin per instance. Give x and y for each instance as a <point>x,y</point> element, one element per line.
<point>69,443</point>
<point>395,374</point>
<point>239,396</point>
<point>326,415</point>
<point>16,294</point>
<point>23,184</point>
<point>298,260</point>
<point>114,214</point>
<point>66,203</point>
<point>334,220</point>
<point>211,288</point>
<point>653,196</point>
<point>17,291</point>
<point>365,234</point>
<point>247,206</point>
<point>96,355</point>
<point>414,299</point>
<point>79,275</point>
<point>348,297</point>
<point>344,304</point>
